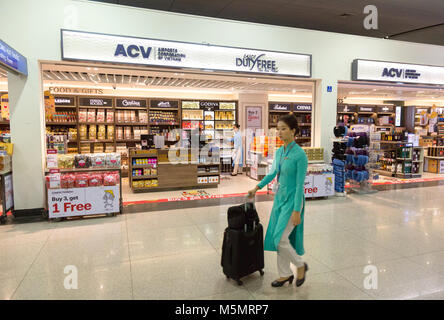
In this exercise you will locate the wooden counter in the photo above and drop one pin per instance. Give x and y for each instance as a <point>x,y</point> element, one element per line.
<point>176,176</point>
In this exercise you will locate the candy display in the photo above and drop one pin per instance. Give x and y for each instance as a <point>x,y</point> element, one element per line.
<point>109,116</point>
<point>92,132</point>
<point>101,133</point>
<point>83,115</point>
<point>145,161</point>
<point>81,180</point>
<point>101,115</point>
<point>67,181</point>
<point>113,160</point>
<point>95,179</point>
<point>98,160</point>
<point>149,183</point>
<point>83,131</point>
<point>165,117</point>
<point>82,161</point>
<point>65,161</point>
<point>91,115</point>
<point>111,179</point>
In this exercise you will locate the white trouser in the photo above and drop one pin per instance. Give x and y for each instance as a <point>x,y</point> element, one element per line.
<point>286,253</point>
<point>236,159</point>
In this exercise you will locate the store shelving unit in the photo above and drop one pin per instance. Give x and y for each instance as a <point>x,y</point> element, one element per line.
<point>160,106</point>
<point>303,113</point>
<point>144,154</point>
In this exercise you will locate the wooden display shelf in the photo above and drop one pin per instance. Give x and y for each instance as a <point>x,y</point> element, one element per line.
<point>404,159</point>
<point>144,155</point>
<point>95,107</point>
<point>436,158</point>
<point>68,107</point>
<point>96,141</point>
<point>279,111</point>
<point>50,123</point>
<point>128,140</point>
<point>166,109</point>
<point>164,124</point>
<point>90,169</point>
<point>143,189</point>
<point>131,123</point>
<point>193,119</point>
<point>205,174</point>
<point>144,177</point>
<point>130,108</point>
<point>142,166</point>
<point>97,123</point>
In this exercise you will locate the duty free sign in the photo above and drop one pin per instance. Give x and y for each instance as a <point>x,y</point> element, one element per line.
<point>83,201</point>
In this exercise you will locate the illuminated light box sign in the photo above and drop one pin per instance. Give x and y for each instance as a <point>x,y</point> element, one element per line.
<point>86,46</point>
<point>366,109</point>
<point>13,60</point>
<point>279,107</point>
<point>164,104</point>
<point>386,109</point>
<point>95,102</point>
<point>129,103</point>
<point>64,101</point>
<point>302,107</point>
<point>369,70</point>
<point>347,108</point>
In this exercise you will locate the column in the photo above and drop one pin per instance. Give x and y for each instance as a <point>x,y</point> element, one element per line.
<point>28,137</point>
<point>324,114</point>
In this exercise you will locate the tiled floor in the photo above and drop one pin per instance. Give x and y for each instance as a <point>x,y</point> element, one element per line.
<point>176,254</point>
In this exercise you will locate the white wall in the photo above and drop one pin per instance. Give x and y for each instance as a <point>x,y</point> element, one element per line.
<point>33,28</point>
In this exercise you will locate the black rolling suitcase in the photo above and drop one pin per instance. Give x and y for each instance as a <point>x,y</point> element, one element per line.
<point>243,244</point>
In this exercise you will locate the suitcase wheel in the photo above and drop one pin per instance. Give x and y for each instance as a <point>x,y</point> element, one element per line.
<point>239,283</point>
<point>261,272</point>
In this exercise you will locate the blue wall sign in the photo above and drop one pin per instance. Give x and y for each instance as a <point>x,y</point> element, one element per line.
<point>329,89</point>
<point>12,60</point>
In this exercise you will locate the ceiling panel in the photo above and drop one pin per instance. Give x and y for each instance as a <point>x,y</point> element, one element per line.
<point>395,16</point>
<point>69,74</point>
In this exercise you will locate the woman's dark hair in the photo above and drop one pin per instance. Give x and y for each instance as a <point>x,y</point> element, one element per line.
<point>291,121</point>
<point>237,126</point>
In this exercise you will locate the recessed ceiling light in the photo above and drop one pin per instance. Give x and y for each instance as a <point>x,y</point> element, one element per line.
<point>96,69</point>
<point>88,68</point>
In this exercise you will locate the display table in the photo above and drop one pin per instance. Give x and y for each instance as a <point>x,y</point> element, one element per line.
<point>319,181</point>
<point>169,175</point>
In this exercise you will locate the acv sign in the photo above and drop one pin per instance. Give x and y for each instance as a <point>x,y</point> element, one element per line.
<point>132,51</point>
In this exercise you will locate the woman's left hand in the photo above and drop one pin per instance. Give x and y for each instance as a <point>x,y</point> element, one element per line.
<point>296,218</point>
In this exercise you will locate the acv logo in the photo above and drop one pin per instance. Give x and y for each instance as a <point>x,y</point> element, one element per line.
<point>400,73</point>
<point>132,51</point>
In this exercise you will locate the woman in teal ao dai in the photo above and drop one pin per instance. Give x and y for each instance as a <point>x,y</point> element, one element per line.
<point>285,232</point>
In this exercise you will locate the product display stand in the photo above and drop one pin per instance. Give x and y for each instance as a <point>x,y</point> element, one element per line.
<point>63,203</point>
<point>358,152</point>
<point>6,195</point>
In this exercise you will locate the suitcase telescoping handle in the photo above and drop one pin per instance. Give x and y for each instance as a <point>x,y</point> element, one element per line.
<point>251,200</point>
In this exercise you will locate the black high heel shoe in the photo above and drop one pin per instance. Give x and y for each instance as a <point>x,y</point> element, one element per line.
<point>277,283</point>
<point>299,282</point>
